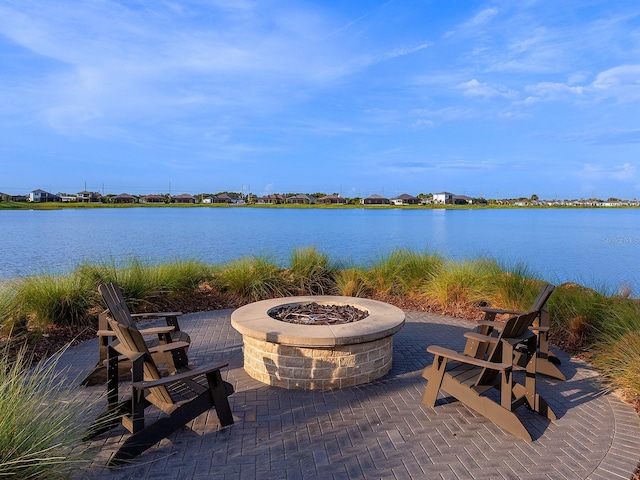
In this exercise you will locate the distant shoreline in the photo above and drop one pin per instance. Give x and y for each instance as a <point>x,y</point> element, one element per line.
<point>80,206</point>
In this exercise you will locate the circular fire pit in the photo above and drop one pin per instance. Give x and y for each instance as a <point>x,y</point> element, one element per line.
<point>317,356</point>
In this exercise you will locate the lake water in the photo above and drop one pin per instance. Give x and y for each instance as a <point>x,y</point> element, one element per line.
<point>594,247</point>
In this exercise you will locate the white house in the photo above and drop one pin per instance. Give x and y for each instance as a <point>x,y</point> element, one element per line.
<point>443,198</point>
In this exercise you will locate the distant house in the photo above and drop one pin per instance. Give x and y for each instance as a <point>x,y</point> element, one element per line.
<point>222,198</point>
<point>462,200</point>
<point>443,198</point>
<point>271,199</point>
<point>123,198</point>
<point>405,199</point>
<point>301,199</point>
<point>183,198</point>
<point>332,199</point>
<point>67,198</point>
<point>153,198</point>
<point>375,199</point>
<point>86,196</point>
<point>42,196</point>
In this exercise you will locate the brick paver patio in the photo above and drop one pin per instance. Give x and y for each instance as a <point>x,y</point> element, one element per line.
<point>377,430</point>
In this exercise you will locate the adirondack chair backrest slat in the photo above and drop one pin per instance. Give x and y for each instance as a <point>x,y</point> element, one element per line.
<point>131,339</point>
<point>514,327</point>
<point>517,326</point>
<point>114,299</point>
<point>543,296</point>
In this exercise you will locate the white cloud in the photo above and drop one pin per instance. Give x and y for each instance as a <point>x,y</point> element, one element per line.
<point>622,82</point>
<point>481,18</point>
<point>548,91</point>
<point>473,88</point>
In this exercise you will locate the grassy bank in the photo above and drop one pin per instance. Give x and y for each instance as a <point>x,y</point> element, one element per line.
<point>602,327</point>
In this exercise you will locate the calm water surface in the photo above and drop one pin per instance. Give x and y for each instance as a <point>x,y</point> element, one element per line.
<point>595,247</point>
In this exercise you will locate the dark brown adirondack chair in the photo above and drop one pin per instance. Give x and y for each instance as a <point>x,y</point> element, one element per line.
<point>469,378</point>
<point>118,309</point>
<point>547,361</point>
<point>182,397</point>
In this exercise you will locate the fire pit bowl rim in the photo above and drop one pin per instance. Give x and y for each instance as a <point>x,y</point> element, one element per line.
<point>254,321</point>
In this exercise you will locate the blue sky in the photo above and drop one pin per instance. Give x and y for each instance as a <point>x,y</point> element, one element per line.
<point>496,99</point>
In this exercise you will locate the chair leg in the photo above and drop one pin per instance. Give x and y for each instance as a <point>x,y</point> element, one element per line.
<point>434,375</point>
<point>220,391</point>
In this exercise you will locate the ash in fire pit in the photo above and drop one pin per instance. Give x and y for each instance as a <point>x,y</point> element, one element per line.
<point>316,314</point>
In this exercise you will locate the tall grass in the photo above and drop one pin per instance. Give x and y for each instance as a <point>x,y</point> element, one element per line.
<point>352,282</point>
<point>515,288</point>
<point>403,272</point>
<point>576,314</point>
<point>254,278</point>
<point>143,284</point>
<point>617,354</point>
<point>467,282</point>
<point>40,421</point>
<point>53,300</point>
<point>311,272</point>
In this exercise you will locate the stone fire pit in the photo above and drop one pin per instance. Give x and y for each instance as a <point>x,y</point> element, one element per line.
<point>316,356</point>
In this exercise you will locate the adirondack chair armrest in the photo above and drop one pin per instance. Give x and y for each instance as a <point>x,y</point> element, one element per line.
<point>167,347</point>
<point>453,355</point>
<point>179,376</point>
<point>479,337</point>
<point>156,330</point>
<point>144,331</point>
<point>539,329</point>
<point>157,314</point>
<point>105,333</point>
<point>497,311</point>
<point>125,354</point>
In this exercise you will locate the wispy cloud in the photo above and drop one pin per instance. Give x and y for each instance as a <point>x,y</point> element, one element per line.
<point>625,172</point>
<point>473,88</point>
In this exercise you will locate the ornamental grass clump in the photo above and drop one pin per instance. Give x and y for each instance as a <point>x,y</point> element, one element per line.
<point>46,300</point>
<point>352,282</point>
<point>134,278</point>
<point>41,420</point>
<point>403,272</point>
<point>515,288</point>
<point>467,282</point>
<point>254,278</point>
<point>144,284</point>
<point>311,272</point>
<point>617,350</point>
<point>576,315</point>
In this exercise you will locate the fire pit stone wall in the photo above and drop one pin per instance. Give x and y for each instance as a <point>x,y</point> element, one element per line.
<point>317,357</point>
